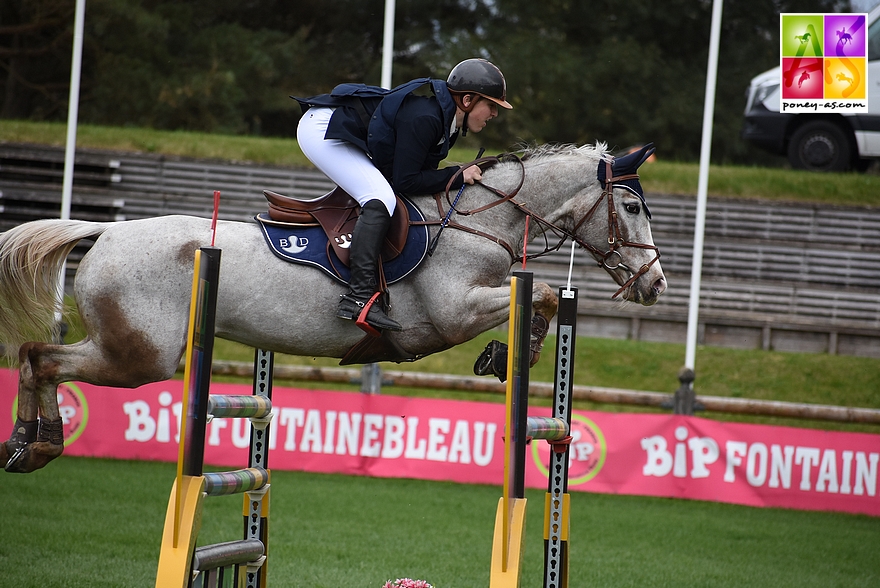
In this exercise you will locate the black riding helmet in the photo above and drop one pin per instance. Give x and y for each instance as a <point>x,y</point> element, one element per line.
<point>478,76</point>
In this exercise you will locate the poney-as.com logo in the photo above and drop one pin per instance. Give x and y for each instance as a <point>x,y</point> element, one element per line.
<point>586,454</point>
<point>823,59</point>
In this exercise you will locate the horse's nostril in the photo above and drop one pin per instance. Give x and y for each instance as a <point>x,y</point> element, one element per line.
<point>660,286</point>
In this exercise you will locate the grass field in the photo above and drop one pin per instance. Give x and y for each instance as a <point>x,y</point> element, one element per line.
<point>91,523</point>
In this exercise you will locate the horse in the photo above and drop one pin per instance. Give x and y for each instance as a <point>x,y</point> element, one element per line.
<point>132,288</point>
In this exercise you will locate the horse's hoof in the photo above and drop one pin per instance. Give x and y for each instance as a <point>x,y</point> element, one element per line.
<point>536,355</point>
<point>4,454</point>
<point>33,457</point>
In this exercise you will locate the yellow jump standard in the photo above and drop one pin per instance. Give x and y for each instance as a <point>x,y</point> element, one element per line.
<point>509,534</point>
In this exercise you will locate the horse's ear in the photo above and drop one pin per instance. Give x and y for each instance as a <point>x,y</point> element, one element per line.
<point>647,151</point>
<point>626,164</point>
<point>629,163</point>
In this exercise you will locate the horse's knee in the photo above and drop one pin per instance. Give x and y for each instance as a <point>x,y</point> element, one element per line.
<point>544,300</point>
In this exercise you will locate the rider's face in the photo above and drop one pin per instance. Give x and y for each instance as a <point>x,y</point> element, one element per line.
<point>483,112</point>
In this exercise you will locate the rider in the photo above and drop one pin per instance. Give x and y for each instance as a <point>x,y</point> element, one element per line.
<point>374,142</point>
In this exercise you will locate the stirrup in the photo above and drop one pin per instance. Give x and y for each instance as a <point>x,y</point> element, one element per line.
<point>372,325</point>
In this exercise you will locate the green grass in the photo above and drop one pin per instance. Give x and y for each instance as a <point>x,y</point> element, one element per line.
<point>659,177</point>
<point>98,523</point>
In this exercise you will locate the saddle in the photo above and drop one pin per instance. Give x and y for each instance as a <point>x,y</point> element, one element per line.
<point>336,212</point>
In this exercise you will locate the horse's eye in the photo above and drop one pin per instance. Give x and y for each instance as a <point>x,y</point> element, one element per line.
<point>633,208</point>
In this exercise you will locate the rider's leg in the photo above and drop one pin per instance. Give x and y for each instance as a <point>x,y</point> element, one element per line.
<point>354,172</point>
<point>366,244</point>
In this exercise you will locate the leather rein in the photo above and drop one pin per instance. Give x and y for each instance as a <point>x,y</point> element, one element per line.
<point>616,241</point>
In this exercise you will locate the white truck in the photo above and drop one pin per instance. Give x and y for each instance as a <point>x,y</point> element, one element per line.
<point>817,141</point>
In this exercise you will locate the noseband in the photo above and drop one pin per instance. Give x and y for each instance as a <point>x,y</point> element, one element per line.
<point>616,240</point>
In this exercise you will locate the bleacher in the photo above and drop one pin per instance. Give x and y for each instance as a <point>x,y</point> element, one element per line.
<point>792,277</point>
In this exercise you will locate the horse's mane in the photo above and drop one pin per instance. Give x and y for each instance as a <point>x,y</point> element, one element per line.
<point>532,152</point>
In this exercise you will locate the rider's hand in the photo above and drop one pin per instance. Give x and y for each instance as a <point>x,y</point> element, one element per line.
<point>472,174</point>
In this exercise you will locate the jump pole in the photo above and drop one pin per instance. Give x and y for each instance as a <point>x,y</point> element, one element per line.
<point>508,539</point>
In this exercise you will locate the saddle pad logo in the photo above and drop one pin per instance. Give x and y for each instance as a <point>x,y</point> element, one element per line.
<point>293,244</point>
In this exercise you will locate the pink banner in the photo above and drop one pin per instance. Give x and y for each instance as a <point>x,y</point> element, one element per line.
<point>390,436</point>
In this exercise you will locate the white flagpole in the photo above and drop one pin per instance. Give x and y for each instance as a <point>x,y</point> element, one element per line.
<point>72,116</point>
<point>388,43</point>
<point>703,185</point>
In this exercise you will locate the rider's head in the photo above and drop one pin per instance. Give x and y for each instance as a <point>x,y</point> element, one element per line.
<point>471,80</point>
<point>477,76</point>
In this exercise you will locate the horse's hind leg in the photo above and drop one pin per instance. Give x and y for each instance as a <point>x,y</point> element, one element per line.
<point>38,436</point>
<point>27,423</point>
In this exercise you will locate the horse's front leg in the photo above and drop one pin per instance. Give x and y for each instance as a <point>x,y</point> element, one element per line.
<point>544,304</point>
<point>38,434</point>
<point>493,359</point>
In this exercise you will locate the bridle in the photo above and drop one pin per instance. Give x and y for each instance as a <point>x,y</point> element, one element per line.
<point>616,240</point>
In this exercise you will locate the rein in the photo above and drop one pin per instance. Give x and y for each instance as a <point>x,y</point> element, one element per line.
<point>616,241</point>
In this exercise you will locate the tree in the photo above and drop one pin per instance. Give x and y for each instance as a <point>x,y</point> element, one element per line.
<point>35,45</point>
<point>624,72</point>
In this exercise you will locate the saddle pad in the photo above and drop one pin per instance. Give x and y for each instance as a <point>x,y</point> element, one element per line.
<point>309,245</point>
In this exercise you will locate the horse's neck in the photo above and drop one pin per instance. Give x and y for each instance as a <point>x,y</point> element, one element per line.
<point>547,192</point>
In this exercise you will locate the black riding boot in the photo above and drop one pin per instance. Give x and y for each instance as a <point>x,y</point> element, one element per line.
<point>366,244</point>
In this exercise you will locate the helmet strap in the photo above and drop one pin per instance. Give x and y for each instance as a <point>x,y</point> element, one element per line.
<point>458,98</point>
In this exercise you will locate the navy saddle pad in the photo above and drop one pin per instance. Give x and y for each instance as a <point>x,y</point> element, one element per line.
<point>309,245</point>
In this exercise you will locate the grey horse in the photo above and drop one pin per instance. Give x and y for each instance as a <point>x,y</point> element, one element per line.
<point>132,289</point>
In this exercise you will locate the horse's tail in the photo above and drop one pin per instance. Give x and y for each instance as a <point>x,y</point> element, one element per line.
<point>32,256</point>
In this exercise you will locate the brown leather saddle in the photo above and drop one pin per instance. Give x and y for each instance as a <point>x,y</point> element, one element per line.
<point>337,212</point>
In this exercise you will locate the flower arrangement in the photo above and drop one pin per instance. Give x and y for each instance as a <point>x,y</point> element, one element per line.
<point>407,583</point>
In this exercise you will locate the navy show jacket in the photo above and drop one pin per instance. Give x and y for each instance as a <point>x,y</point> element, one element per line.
<point>406,135</point>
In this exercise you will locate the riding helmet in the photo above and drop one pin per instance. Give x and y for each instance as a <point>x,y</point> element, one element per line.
<point>478,76</point>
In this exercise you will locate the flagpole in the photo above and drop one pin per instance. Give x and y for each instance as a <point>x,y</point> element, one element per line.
<point>388,43</point>
<point>70,147</point>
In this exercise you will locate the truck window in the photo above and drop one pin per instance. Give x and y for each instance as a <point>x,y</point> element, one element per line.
<point>874,41</point>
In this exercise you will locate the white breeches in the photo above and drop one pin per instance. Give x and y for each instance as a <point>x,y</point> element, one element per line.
<point>342,162</point>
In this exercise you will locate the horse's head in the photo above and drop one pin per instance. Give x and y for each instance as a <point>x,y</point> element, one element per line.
<point>623,245</point>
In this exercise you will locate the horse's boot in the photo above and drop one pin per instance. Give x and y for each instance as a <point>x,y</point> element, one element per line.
<point>33,456</point>
<point>360,303</point>
<point>23,432</point>
<point>493,359</point>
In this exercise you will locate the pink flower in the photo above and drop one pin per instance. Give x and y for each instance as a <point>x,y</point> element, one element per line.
<point>407,583</point>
